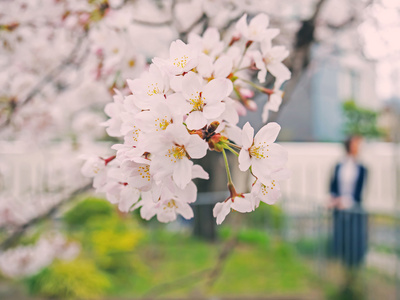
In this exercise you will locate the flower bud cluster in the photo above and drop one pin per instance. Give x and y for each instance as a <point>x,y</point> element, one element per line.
<point>183,106</point>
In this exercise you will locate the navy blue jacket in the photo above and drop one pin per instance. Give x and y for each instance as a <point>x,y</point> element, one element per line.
<point>357,193</point>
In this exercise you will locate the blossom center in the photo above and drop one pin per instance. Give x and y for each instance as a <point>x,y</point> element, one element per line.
<point>135,133</point>
<point>197,101</point>
<point>171,204</point>
<point>153,89</point>
<point>96,168</point>
<point>259,151</point>
<point>144,172</point>
<point>162,124</point>
<point>265,189</point>
<point>181,62</point>
<point>268,59</point>
<point>176,152</point>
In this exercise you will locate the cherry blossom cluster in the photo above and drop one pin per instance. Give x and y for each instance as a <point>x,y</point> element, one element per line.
<point>25,261</point>
<point>185,105</point>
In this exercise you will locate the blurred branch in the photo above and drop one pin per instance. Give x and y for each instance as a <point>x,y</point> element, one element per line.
<point>223,256</point>
<point>176,283</point>
<point>299,59</point>
<point>209,274</point>
<point>153,24</point>
<point>18,233</point>
<point>48,78</point>
<point>184,34</point>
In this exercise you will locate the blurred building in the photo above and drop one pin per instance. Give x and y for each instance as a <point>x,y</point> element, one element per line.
<point>335,75</point>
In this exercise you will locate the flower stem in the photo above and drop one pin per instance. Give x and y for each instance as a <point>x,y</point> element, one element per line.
<point>231,150</point>
<point>256,86</point>
<point>234,145</point>
<point>228,172</point>
<point>241,59</point>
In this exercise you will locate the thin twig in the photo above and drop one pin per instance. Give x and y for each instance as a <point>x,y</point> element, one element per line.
<point>18,233</point>
<point>44,81</point>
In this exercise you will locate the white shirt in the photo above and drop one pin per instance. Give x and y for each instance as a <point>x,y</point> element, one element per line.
<point>347,176</point>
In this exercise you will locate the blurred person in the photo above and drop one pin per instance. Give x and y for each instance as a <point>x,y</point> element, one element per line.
<point>349,219</point>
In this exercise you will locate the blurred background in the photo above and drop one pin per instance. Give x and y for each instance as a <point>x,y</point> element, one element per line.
<point>60,61</point>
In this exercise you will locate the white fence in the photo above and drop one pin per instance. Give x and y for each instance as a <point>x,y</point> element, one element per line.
<point>312,166</point>
<point>26,170</point>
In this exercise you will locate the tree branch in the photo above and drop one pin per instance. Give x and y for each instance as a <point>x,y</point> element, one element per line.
<point>14,105</point>
<point>17,234</point>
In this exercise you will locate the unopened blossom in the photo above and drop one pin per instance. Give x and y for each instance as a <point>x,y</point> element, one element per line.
<point>241,203</point>
<point>261,153</point>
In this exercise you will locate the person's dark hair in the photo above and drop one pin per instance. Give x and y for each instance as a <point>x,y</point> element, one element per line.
<point>347,144</point>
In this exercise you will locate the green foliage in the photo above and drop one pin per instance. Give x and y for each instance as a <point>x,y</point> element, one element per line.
<point>78,279</point>
<point>360,121</point>
<point>85,210</point>
<point>247,236</point>
<point>108,241</point>
<point>266,216</point>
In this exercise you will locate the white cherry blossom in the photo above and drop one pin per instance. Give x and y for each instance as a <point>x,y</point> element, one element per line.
<point>182,58</point>
<point>256,30</point>
<point>269,191</point>
<point>260,152</point>
<point>271,59</point>
<point>172,154</point>
<point>241,203</point>
<point>204,101</point>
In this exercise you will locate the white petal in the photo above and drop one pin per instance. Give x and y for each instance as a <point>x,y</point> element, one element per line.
<point>265,113</point>
<point>191,84</point>
<point>242,204</point>
<point>223,66</point>
<point>278,156</point>
<point>185,210</point>
<point>221,210</point>
<point>205,66</point>
<point>129,196</point>
<point>241,25</point>
<point>196,120</point>
<point>267,133</point>
<point>196,147</point>
<point>279,70</point>
<point>214,110</point>
<point>217,90</point>
<point>198,172</point>
<point>182,172</point>
<point>244,160</point>
<point>247,135</point>
<point>188,194</point>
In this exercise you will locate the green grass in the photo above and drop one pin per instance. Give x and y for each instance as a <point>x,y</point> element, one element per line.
<point>129,259</point>
<point>252,268</point>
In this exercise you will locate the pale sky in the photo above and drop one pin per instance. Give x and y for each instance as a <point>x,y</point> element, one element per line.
<point>381,32</point>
